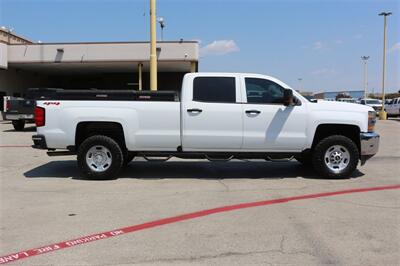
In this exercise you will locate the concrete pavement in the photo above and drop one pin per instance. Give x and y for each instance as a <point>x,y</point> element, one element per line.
<point>44,201</point>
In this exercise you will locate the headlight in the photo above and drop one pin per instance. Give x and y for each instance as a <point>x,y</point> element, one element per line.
<point>371,121</point>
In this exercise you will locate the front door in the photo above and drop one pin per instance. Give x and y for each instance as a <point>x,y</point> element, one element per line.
<point>268,124</point>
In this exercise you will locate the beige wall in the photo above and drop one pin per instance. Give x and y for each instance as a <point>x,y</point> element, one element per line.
<point>3,56</point>
<point>101,52</point>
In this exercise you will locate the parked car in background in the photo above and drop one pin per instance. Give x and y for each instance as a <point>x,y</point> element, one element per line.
<point>310,98</point>
<point>21,110</point>
<point>347,100</point>
<point>374,103</point>
<point>393,107</point>
<point>388,101</point>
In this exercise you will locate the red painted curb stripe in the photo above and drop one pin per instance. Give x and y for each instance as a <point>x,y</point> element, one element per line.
<point>188,216</point>
<point>15,146</point>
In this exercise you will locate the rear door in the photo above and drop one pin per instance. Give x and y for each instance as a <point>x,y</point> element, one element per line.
<point>211,113</point>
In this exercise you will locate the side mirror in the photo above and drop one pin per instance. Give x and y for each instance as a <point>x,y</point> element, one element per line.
<point>288,97</point>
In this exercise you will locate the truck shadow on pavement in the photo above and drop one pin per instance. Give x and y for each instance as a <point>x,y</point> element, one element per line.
<point>26,129</point>
<point>188,169</point>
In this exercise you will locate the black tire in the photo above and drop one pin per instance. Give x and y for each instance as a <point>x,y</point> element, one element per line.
<point>322,147</point>
<point>116,158</point>
<point>18,125</point>
<point>128,157</point>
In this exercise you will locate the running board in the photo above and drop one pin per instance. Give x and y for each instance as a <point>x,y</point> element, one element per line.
<point>279,160</point>
<point>219,159</point>
<point>156,160</point>
<point>60,153</point>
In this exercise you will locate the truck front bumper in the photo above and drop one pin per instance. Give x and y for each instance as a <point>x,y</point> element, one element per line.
<point>369,142</point>
<point>39,142</point>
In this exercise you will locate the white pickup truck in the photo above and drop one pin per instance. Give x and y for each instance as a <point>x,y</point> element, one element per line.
<point>217,116</point>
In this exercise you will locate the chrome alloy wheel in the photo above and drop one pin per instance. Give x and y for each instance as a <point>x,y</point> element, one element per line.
<point>337,158</point>
<point>98,158</point>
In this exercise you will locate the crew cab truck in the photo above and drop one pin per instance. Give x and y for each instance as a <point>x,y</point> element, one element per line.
<point>217,116</point>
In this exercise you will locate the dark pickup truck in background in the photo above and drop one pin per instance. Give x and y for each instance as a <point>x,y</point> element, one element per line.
<point>21,110</point>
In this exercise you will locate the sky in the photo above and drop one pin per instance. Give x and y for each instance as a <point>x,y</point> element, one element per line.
<point>319,42</point>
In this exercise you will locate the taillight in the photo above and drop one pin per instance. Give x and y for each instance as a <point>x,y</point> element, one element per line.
<point>39,116</point>
<point>8,106</point>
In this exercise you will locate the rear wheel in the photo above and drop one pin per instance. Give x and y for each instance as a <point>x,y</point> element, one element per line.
<point>100,158</point>
<point>18,125</point>
<point>335,157</point>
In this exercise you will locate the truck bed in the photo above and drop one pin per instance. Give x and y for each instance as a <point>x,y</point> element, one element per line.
<point>114,95</point>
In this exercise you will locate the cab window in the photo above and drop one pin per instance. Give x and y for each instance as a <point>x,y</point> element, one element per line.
<point>214,89</point>
<point>263,91</point>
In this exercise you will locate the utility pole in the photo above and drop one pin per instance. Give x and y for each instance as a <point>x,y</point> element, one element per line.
<point>365,59</point>
<point>153,46</point>
<point>382,114</point>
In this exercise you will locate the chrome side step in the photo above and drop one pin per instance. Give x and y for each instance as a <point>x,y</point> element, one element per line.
<point>149,159</point>
<point>279,160</point>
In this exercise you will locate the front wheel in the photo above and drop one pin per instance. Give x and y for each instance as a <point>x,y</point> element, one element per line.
<point>335,157</point>
<point>100,158</point>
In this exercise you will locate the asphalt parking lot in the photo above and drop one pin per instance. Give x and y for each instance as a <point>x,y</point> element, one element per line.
<point>45,201</point>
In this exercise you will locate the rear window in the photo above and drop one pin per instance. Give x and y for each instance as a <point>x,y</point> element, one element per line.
<point>214,89</point>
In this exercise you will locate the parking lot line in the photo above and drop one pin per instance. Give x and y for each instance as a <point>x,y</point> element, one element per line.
<point>15,146</point>
<point>95,237</point>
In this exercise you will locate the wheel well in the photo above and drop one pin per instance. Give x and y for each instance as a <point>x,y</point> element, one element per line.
<point>110,129</point>
<point>326,130</point>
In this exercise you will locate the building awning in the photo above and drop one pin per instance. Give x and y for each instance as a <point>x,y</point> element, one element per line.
<point>117,57</point>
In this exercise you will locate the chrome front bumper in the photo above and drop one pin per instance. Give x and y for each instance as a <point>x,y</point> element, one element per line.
<point>369,145</point>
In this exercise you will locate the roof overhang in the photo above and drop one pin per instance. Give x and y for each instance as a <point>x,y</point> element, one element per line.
<point>101,57</point>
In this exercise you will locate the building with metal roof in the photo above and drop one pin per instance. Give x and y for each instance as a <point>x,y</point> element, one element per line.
<point>101,65</point>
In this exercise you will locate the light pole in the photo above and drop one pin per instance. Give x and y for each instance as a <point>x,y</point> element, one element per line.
<point>153,46</point>
<point>365,59</point>
<point>162,25</point>
<point>382,114</point>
